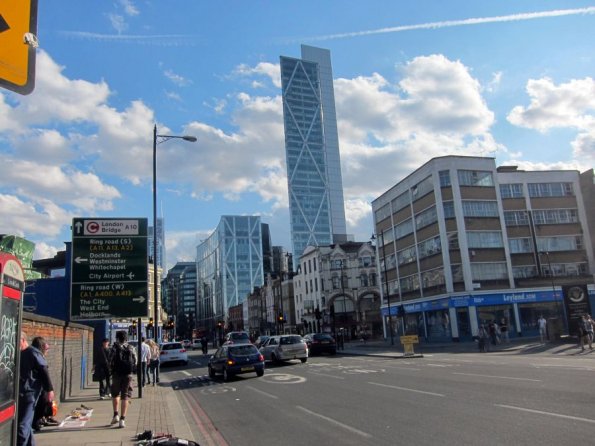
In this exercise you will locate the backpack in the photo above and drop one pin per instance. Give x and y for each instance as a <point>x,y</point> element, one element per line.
<point>123,360</point>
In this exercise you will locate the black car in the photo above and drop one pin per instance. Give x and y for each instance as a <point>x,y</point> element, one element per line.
<point>321,343</point>
<point>234,359</point>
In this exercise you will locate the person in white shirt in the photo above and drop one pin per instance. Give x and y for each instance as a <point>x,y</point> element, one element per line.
<point>145,356</point>
<point>542,324</point>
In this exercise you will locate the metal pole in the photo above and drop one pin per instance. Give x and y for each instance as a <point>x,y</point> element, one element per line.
<point>155,269</point>
<point>390,320</point>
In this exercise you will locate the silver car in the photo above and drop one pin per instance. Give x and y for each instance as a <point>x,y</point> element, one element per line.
<point>284,348</point>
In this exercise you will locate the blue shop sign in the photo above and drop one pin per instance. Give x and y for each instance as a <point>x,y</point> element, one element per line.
<point>434,305</point>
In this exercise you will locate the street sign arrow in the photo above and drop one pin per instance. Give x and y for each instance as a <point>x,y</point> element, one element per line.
<point>140,299</point>
<point>3,25</point>
<point>78,225</point>
<point>81,260</point>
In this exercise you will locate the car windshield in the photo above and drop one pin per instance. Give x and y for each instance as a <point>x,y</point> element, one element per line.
<point>322,337</point>
<point>240,337</point>
<point>243,350</point>
<point>174,346</point>
<point>290,340</point>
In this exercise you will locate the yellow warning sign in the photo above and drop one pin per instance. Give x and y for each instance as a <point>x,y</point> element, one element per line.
<point>18,40</point>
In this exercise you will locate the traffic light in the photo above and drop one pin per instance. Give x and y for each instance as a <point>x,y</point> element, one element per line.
<point>150,324</point>
<point>281,318</point>
<point>219,324</point>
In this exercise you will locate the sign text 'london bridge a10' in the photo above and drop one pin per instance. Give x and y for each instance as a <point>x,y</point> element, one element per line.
<point>109,268</point>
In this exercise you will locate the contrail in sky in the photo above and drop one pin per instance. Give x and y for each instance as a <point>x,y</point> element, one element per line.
<point>463,22</point>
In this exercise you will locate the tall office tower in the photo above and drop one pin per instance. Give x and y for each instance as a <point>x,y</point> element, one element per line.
<point>316,204</point>
<point>160,243</point>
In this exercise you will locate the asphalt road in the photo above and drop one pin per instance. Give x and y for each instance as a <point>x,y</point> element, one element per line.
<point>458,399</point>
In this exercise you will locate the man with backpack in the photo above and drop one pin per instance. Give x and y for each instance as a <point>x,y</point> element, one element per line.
<point>122,360</point>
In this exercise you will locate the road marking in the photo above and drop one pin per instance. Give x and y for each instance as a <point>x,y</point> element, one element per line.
<point>438,365</point>
<point>335,422</point>
<point>270,395</point>
<point>186,373</point>
<point>551,414</point>
<point>413,369</point>
<point>564,366</point>
<point>499,377</point>
<point>407,390</point>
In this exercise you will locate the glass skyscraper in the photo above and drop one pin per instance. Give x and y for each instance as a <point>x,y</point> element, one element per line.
<point>316,205</point>
<point>229,264</point>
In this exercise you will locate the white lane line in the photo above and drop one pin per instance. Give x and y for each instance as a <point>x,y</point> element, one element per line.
<point>335,422</point>
<point>499,377</point>
<point>327,375</point>
<point>551,414</point>
<point>438,365</point>
<point>270,395</point>
<point>407,390</point>
<point>413,369</point>
<point>186,373</point>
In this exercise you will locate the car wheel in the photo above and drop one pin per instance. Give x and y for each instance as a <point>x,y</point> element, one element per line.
<point>226,375</point>
<point>303,360</point>
<point>211,372</point>
<point>260,372</point>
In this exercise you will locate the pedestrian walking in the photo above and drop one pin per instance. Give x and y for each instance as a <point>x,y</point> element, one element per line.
<point>586,327</point>
<point>122,360</point>
<point>33,378</point>
<point>504,330</point>
<point>101,369</point>
<point>42,415</point>
<point>145,355</point>
<point>542,324</point>
<point>493,332</point>
<point>204,342</point>
<point>154,361</point>
<point>483,339</point>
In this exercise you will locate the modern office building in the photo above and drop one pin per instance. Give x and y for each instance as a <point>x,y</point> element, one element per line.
<point>315,187</point>
<point>180,294</point>
<point>463,243</point>
<point>229,266</point>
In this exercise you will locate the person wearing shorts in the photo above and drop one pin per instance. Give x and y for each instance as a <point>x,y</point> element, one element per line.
<point>121,388</point>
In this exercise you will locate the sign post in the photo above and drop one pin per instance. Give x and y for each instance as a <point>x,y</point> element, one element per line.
<point>18,28</point>
<point>109,274</point>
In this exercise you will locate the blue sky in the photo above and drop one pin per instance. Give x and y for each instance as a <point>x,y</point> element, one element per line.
<point>413,80</point>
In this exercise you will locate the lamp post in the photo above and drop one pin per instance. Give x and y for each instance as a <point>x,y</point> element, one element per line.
<point>560,313</point>
<point>390,321</point>
<point>158,139</point>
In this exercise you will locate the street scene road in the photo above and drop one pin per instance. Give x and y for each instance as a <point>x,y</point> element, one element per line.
<point>445,398</point>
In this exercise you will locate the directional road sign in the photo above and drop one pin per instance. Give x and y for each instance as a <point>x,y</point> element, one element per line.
<point>109,268</point>
<point>18,28</point>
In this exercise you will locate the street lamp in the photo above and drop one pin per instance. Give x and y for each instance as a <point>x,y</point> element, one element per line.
<point>558,309</point>
<point>158,139</point>
<point>390,321</point>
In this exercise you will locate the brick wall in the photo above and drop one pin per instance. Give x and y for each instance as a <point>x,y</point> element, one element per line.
<point>70,358</point>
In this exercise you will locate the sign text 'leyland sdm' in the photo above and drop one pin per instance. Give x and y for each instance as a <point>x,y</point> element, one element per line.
<point>109,268</point>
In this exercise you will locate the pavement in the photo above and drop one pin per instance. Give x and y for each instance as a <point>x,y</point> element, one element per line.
<point>160,411</point>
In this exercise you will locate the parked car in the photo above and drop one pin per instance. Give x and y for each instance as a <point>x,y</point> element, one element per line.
<point>234,359</point>
<point>187,343</point>
<point>196,345</point>
<point>173,352</point>
<point>236,337</point>
<point>320,343</point>
<point>285,348</point>
<point>260,341</point>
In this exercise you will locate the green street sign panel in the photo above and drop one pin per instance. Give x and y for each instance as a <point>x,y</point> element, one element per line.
<point>109,276</point>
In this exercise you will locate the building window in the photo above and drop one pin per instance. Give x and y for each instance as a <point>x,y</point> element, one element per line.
<point>516,218</point>
<point>511,190</point>
<point>485,239</point>
<point>473,208</point>
<point>422,188</point>
<point>475,178</point>
<point>453,240</point>
<point>489,271</point>
<point>550,189</point>
<point>316,284</point>
<point>383,213</point>
<point>449,209</point>
<point>336,282</point>
<point>407,255</point>
<point>432,278</point>
<point>400,202</point>
<point>409,283</point>
<point>373,280</point>
<point>310,265</point>
<point>426,218</point>
<point>524,272</point>
<point>363,280</point>
<point>555,216</point>
<point>560,243</point>
<point>444,178</point>
<point>366,261</point>
<point>520,245</point>
<point>429,247</point>
<point>404,229</point>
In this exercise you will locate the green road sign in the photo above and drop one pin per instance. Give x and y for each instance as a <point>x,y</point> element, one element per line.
<point>109,268</point>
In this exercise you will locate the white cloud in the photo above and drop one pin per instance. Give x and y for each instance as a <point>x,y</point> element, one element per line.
<point>118,22</point>
<point>266,69</point>
<point>567,105</point>
<point>180,81</point>
<point>129,7</point>
<point>181,246</point>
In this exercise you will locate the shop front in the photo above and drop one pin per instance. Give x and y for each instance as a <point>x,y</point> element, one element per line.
<point>458,318</point>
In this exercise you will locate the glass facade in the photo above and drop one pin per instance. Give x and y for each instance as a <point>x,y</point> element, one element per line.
<point>312,150</point>
<point>229,266</point>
